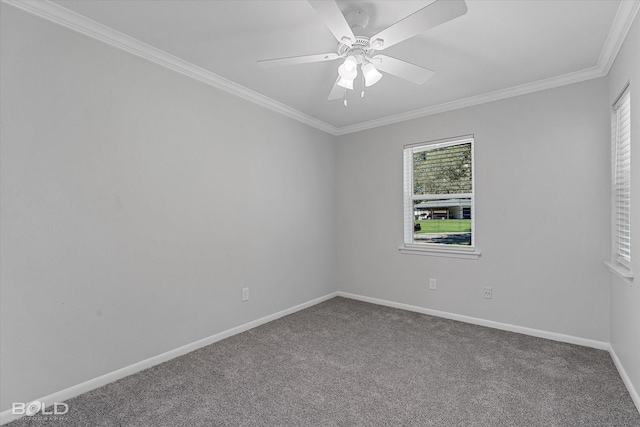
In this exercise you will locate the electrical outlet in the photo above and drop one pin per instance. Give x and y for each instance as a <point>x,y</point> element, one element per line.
<point>245,294</point>
<point>432,284</point>
<point>488,293</point>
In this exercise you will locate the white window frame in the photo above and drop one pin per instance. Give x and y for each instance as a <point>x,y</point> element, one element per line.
<point>434,249</point>
<point>620,262</point>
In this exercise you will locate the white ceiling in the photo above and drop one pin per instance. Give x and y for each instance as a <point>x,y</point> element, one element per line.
<point>497,49</point>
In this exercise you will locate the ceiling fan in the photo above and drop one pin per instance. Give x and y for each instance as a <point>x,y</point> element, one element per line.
<point>361,51</point>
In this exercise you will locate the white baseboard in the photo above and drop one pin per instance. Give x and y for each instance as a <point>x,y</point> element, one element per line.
<point>76,390</point>
<point>600,345</point>
<point>68,393</point>
<point>625,378</point>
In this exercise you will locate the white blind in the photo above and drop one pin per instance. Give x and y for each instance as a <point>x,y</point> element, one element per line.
<point>408,193</point>
<point>622,179</point>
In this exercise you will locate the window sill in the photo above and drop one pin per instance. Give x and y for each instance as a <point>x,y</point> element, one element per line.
<point>447,253</point>
<point>620,271</point>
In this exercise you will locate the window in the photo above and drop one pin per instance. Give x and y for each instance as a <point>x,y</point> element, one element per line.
<point>439,196</point>
<point>622,179</point>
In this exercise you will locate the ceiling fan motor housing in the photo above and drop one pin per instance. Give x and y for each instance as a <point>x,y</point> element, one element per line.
<point>361,49</point>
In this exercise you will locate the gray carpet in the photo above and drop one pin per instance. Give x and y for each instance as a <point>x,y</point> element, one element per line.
<point>349,363</point>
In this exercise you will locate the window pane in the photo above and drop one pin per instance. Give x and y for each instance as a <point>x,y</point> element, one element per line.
<point>445,170</point>
<point>442,221</point>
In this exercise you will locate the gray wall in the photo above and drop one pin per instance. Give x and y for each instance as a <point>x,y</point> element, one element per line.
<point>136,203</point>
<point>625,296</point>
<point>542,213</point>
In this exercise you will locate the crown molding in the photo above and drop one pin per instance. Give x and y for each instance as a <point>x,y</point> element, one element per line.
<point>540,85</point>
<point>627,12</point>
<point>50,11</point>
<point>60,15</point>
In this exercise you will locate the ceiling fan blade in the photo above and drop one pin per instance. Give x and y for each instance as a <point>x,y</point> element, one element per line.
<point>402,69</point>
<point>294,60</point>
<point>337,92</point>
<point>428,17</point>
<point>334,20</point>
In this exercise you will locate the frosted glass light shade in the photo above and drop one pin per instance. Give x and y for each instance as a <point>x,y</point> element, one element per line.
<point>347,74</point>
<point>347,84</point>
<point>371,75</point>
<point>351,63</point>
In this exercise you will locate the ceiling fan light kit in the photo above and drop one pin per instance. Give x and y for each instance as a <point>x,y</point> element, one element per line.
<point>360,50</point>
<point>359,53</point>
